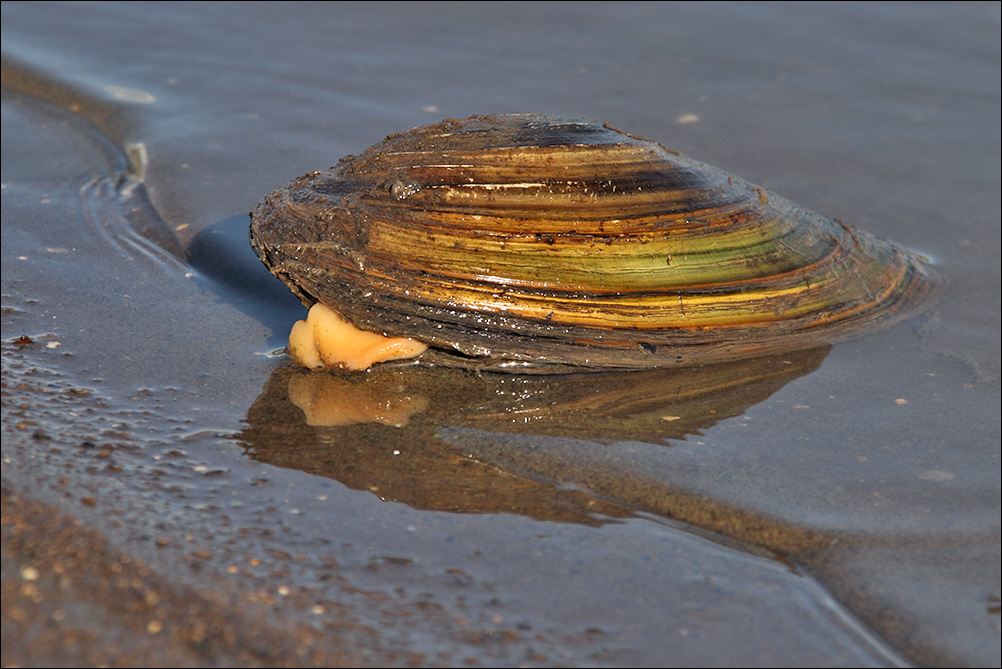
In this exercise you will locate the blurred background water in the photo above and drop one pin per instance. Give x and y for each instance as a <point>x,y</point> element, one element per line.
<point>846,512</point>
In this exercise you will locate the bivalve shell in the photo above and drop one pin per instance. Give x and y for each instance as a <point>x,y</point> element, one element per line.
<point>530,240</point>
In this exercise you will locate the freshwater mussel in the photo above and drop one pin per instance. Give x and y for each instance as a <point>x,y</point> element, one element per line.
<point>533,242</point>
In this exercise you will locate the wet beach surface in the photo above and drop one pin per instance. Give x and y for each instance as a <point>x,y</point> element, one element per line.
<point>166,500</point>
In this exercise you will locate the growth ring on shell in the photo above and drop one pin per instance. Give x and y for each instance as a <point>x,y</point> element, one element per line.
<point>527,239</point>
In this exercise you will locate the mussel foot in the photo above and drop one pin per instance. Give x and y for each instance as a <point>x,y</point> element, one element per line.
<point>325,340</point>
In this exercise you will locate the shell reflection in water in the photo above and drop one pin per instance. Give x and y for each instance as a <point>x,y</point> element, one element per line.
<point>529,241</point>
<point>406,433</point>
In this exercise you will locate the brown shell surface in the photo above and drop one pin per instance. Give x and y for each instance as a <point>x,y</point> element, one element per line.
<point>533,240</point>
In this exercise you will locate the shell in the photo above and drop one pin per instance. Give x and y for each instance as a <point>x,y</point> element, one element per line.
<point>527,239</point>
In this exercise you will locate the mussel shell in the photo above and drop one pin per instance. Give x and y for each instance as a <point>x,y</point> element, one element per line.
<point>530,239</point>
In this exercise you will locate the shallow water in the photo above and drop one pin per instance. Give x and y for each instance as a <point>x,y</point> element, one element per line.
<point>842,512</point>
